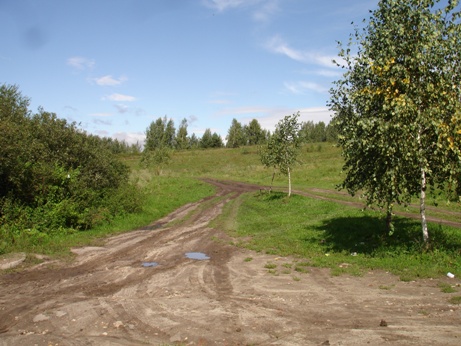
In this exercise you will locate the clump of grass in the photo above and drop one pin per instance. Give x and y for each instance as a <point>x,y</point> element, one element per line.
<point>296,278</point>
<point>270,266</point>
<point>248,259</point>
<point>385,287</point>
<point>455,300</point>
<point>446,288</point>
<point>301,269</point>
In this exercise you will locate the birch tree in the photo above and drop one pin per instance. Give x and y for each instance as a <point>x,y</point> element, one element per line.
<point>281,150</point>
<point>398,105</point>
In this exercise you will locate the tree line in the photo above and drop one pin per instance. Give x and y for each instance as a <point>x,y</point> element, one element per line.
<point>162,134</point>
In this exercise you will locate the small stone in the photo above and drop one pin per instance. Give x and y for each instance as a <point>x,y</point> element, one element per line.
<point>40,318</point>
<point>60,313</point>
<point>105,333</point>
<point>383,323</point>
<point>118,324</point>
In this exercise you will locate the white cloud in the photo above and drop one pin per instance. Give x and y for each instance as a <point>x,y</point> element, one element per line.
<point>109,80</point>
<point>301,87</point>
<point>121,108</point>
<point>119,98</point>
<point>269,117</point>
<point>315,114</point>
<point>277,45</point>
<point>263,10</point>
<point>81,63</point>
<point>266,11</point>
<point>130,137</point>
<point>222,5</point>
<point>101,114</point>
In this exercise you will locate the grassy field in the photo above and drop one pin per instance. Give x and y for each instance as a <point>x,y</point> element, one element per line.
<point>318,232</point>
<point>325,233</point>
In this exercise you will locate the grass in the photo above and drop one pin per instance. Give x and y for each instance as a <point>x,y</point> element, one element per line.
<point>446,288</point>
<point>455,300</point>
<point>163,195</point>
<point>329,234</point>
<point>315,232</point>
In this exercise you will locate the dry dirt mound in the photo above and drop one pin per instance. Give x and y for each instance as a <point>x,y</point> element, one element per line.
<point>140,288</point>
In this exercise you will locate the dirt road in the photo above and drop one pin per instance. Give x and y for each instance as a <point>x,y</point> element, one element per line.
<point>141,289</point>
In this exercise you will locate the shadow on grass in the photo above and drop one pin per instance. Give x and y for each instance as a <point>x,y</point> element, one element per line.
<point>368,235</point>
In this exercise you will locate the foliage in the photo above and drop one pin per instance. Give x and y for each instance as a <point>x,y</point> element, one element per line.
<point>254,134</point>
<point>54,176</point>
<point>156,159</point>
<point>182,140</point>
<point>210,140</point>
<point>235,135</point>
<point>282,148</point>
<point>160,134</point>
<point>398,106</point>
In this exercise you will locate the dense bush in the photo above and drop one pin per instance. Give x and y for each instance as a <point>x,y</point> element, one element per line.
<point>54,176</point>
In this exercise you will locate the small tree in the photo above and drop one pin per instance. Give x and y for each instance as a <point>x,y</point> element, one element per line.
<point>282,148</point>
<point>182,141</point>
<point>253,132</point>
<point>398,106</point>
<point>235,136</point>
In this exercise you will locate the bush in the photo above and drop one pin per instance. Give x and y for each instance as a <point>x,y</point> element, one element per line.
<point>53,176</point>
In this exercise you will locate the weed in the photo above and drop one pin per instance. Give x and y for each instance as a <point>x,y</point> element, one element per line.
<point>455,300</point>
<point>270,266</point>
<point>446,288</point>
<point>248,259</point>
<point>301,269</point>
<point>296,278</point>
<point>384,287</point>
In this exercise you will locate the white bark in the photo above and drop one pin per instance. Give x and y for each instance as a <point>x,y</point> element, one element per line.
<point>289,182</point>
<point>423,206</point>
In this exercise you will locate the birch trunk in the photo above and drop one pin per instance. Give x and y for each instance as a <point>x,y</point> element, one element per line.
<point>289,182</point>
<point>422,207</point>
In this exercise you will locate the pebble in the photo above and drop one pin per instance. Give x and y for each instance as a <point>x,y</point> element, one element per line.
<point>40,318</point>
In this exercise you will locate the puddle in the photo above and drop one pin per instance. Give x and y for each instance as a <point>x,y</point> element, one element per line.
<point>149,264</point>
<point>197,256</point>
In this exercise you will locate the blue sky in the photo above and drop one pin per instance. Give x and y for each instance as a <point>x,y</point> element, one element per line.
<point>114,66</point>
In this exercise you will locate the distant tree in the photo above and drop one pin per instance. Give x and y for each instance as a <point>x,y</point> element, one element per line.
<point>306,130</point>
<point>207,139</point>
<point>194,141</point>
<point>182,141</point>
<point>170,134</point>
<point>331,132</point>
<point>235,136</point>
<point>159,134</point>
<point>319,134</point>
<point>398,106</point>
<point>254,133</point>
<point>282,149</point>
<point>216,141</point>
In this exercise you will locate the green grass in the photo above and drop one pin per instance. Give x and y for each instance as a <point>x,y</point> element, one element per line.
<point>314,232</point>
<point>446,288</point>
<point>162,196</point>
<point>328,233</point>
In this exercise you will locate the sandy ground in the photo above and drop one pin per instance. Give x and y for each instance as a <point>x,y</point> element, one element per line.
<point>107,297</point>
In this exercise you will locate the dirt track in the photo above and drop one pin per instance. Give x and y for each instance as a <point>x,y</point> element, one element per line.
<point>106,297</point>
